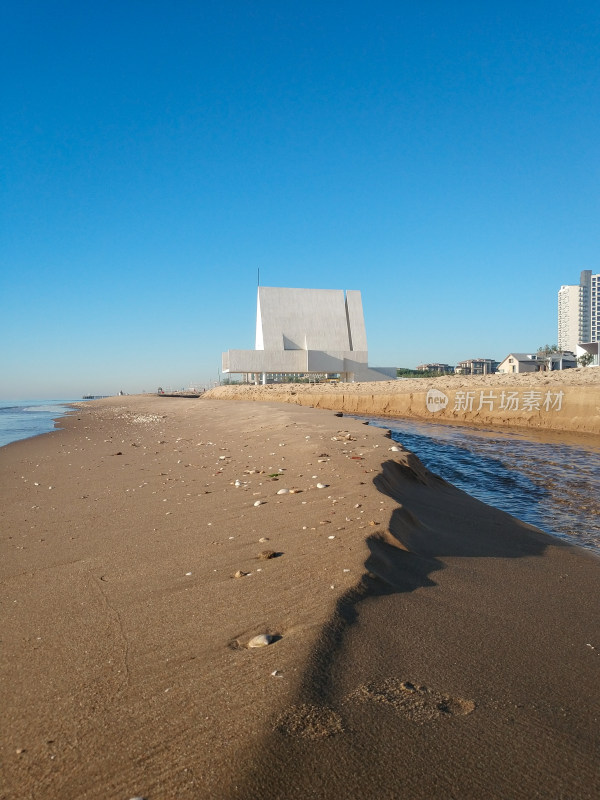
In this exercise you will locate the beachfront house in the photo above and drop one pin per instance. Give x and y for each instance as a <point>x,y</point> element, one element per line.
<point>520,362</point>
<point>476,366</point>
<point>536,362</point>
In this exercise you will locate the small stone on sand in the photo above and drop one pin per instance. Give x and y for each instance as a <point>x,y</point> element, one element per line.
<point>262,640</point>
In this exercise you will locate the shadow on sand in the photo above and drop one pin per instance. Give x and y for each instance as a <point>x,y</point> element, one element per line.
<point>434,523</point>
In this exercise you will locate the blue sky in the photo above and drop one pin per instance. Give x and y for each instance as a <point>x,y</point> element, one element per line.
<point>440,157</point>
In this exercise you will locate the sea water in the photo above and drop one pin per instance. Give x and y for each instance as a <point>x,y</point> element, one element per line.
<point>21,419</point>
<point>549,479</point>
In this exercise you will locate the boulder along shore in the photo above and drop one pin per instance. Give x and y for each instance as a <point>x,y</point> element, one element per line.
<point>416,643</point>
<point>568,400</point>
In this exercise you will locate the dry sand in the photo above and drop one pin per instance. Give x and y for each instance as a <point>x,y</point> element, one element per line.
<point>568,400</point>
<point>424,645</point>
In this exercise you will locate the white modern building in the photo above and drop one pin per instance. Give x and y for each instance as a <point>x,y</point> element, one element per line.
<point>307,331</point>
<point>579,314</point>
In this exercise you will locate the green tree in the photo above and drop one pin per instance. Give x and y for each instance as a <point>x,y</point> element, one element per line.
<point>585,360</point>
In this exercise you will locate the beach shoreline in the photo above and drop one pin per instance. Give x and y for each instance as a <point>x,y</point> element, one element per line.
<point>567,401</point>
<point>420,640</point>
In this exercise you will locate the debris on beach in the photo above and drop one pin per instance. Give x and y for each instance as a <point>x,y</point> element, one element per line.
<point>264,555</point>
<point>241,574</point>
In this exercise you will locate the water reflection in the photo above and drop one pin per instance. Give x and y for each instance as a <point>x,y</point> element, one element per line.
<point>549,480</point>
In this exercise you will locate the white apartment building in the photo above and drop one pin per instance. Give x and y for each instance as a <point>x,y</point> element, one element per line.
<point>579,312</point>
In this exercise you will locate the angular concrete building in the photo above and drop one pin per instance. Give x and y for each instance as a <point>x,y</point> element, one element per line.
<point>304,331</point>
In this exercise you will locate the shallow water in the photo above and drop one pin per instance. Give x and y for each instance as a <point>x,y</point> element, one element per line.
<point>550,480</point>
<point>21,419</point>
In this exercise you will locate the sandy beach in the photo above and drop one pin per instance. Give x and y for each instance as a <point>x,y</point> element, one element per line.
<point>420,643</point>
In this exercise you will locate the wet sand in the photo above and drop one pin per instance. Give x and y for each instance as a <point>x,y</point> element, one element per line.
<point>424,645</point>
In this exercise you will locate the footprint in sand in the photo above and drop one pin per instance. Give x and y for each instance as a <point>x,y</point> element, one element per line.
<point>309,721</point>
<point>418,703</point>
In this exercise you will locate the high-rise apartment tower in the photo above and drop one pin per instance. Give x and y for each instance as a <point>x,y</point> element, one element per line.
<point>579,312</point>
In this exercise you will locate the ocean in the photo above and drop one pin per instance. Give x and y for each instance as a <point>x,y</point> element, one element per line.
<point>21,419</point>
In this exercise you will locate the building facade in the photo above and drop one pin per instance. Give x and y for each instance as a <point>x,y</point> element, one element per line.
<point>307,332</point>
<point>537,362</point>
<point>477,366</point>
<point>579,312</point>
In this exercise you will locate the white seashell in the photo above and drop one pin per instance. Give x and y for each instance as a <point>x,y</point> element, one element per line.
<point>237,483</point>
<point>395,449</point>
<point>283,491</point>
<point>262,640</point>
<point>321,486</point>
<point>259,503</point>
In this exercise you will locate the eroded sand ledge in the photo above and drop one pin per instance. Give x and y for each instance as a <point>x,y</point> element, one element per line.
<point>561,401</point>
<point>426,645</point>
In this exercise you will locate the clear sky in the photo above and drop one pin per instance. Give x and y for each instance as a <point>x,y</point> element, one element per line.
<point>442,157</point>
